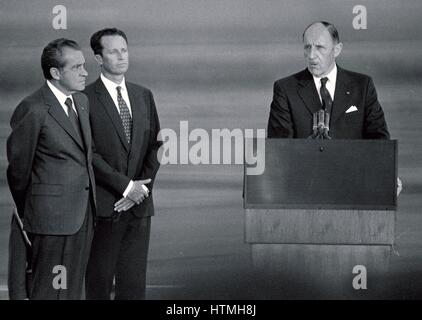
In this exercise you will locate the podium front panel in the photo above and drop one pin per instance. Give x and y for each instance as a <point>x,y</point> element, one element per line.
<point>324,174</point>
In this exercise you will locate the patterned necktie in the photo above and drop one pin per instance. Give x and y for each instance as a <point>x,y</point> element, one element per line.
<point>327,102</point>
<point>124,115</point>
<point>73,117</point>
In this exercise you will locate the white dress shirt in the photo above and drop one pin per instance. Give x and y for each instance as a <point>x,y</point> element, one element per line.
<point>331,83</point>
<point>61,97</point>
<point>112,90</point>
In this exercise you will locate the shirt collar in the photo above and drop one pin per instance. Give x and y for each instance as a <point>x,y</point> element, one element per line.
<point>332,76</point>
<point>58,94</point>
<point>111,86</point>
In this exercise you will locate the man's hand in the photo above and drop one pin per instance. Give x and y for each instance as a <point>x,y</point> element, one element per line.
<point>123,204</point>
<point>399,186</point>
<point>137,194</point>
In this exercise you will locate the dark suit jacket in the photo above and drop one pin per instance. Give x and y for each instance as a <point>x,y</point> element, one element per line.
<point>50,173</point>
<point>115,161</point>
<point>296,99</point>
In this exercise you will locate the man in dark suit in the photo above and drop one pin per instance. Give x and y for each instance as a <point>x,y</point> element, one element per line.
<point>125,126</point>
<point>50,173</point>
<point>350,98</point>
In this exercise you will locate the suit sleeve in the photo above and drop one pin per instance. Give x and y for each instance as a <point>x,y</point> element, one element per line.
<point>26,125</point>
<point>375,126</point>
<point>280,123</point>
<point>151,163</point>
<point>106,175</point>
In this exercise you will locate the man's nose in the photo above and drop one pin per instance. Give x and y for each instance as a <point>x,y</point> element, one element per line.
<point>312,53</point>
<point>84,73</point>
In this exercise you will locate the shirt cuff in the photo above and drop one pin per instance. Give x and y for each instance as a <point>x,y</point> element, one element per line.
<point>128,188</point>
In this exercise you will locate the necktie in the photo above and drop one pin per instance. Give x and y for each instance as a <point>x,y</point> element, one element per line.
<point>327,102</point>
<point>124,115</point>
<point>73,117</point>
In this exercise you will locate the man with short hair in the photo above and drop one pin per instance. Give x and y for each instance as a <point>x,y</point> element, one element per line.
<point>50,173</point>
<point>125,126</point>
<point>348,97</point>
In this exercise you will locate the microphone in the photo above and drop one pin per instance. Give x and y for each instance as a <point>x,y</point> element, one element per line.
<point>326,126</point>
<point>321,125</point>
<point>314,127</point>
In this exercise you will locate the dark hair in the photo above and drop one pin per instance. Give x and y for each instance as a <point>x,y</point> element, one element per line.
<point>96,38</point>
<point>52,55</point>
<point>330,28</point>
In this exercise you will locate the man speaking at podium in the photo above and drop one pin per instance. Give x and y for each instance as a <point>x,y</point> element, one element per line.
<point>349,99</point>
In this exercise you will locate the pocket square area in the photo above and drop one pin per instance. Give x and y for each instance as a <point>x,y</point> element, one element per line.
<point>352,109</point>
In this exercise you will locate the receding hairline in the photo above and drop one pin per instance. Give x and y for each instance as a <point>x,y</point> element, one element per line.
<point>67,49</point>
<point>332,30</point>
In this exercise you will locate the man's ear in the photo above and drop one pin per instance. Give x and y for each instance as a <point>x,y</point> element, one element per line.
<point>337,49</point>
<point>55,73</point>
<point>99,59</point>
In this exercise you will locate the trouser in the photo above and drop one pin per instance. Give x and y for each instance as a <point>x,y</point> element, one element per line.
<point>58,263</point>
<point>119,251</point>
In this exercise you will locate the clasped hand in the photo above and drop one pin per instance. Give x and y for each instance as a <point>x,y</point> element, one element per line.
<point>136,195</point>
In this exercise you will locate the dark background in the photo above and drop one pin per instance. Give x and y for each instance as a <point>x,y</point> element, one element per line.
<point>213,63</point>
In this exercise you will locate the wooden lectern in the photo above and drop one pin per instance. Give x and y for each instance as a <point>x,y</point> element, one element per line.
<point>321,210</point>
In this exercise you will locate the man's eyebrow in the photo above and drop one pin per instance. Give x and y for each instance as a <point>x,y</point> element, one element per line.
<point>116,49</point>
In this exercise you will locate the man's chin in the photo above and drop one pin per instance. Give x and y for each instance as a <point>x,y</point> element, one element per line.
<point>80,87</point>
<point>315,71</point>
<point>122,69</point>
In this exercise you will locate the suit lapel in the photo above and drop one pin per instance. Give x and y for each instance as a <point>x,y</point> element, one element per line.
<point>57,112</point>
<point>307,92</point>
<point>138,118</point>
<point>341,96</point>
<point>111,110</point>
